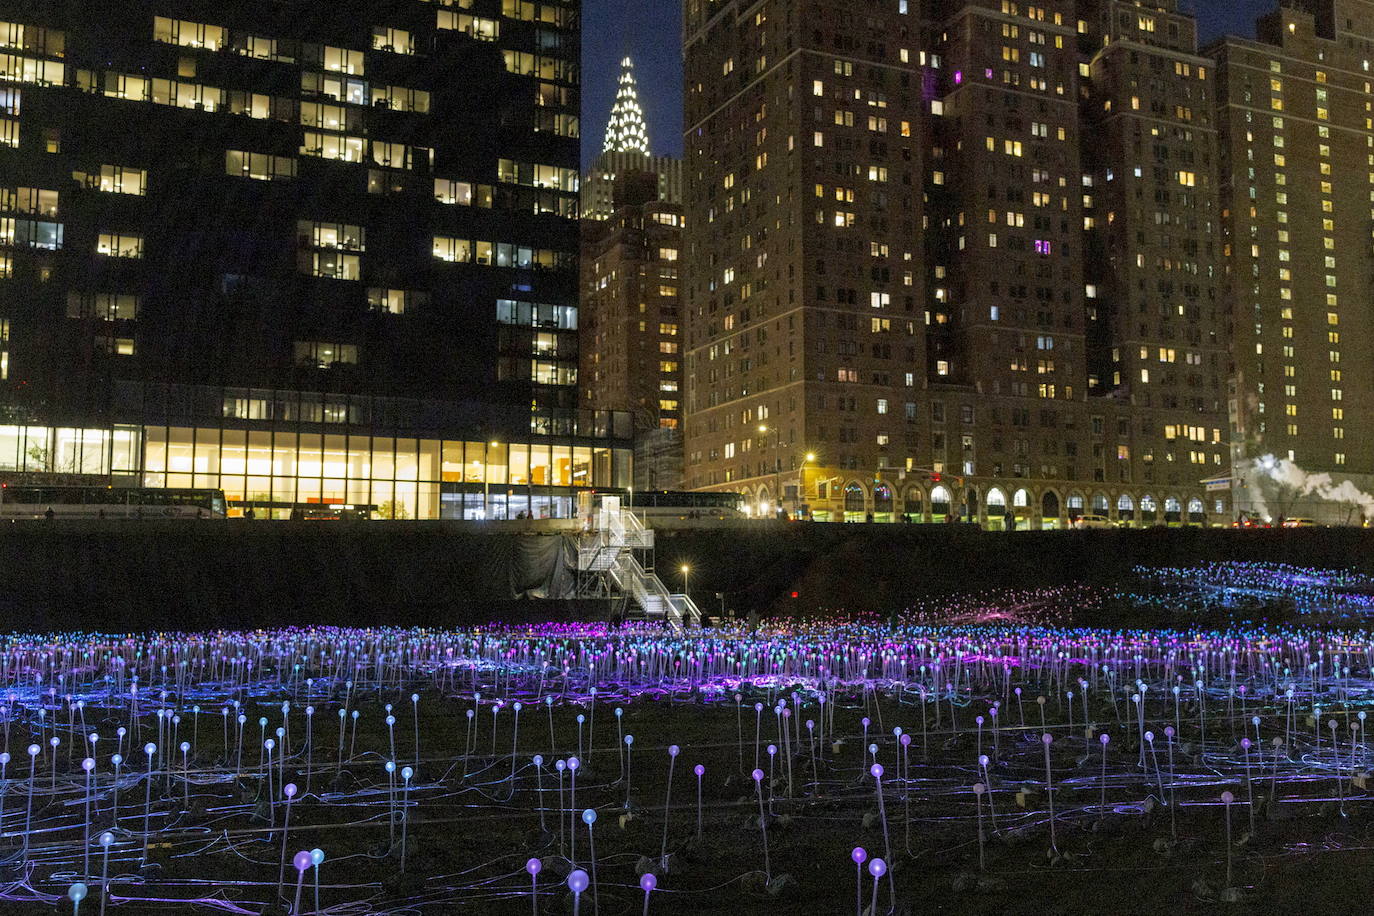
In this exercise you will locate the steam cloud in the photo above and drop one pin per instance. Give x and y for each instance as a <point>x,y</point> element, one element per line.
<point>1320,485</point>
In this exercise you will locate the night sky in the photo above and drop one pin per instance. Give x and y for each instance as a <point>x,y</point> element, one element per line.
<point>651,30</point>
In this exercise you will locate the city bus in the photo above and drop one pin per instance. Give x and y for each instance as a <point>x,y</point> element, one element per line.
<point>654,504</point>
<point>19,501</point>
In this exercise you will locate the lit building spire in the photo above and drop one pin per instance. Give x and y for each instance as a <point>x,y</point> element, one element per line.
<point>627,131</point>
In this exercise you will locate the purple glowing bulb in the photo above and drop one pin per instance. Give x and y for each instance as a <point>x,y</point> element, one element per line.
<point>301,860</point>
<point>699,770</point>
<point>647,882</point>
<point>577,881</point>
<point>876,770</point>
<point>289,790</point>
<point>534,866</point>
<point>758,775</point>
<point>877,868</point>
<point>673,750</point>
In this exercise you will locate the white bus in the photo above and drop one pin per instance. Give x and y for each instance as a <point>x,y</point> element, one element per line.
<point>20,501</point>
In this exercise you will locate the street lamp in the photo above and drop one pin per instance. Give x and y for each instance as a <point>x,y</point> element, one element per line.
<point>777,462</point>
<point>801,479</point>
<point>486,482</point>
<point>685,571</point>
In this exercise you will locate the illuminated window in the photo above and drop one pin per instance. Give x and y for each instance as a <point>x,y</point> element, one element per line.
<point>478,27</point>
<point>103,306</point>
<point>260,166</point>
<point>342,60</point>
<point>20,69</point>
<point>119,245</point>
<point>188,34</point>
<point>312,354</point>
<point>333,146</point>
<point>451,249</point>
<point>394,301</point>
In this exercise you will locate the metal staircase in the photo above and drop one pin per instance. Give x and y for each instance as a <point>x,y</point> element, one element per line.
<point>607,565</point>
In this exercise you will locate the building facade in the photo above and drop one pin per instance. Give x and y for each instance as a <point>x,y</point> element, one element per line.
<point>307,253</point>
<point>631,317</point>
<point>1297,125</point>
<point>905,288</point>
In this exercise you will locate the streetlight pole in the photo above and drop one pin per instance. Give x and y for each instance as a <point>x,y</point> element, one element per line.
<point>777,464</point>
<point>685,571</point>
<point>801,480</point>
<point>486,482</point>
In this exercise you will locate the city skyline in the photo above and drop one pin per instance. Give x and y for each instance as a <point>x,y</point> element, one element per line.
<point>651,32</point>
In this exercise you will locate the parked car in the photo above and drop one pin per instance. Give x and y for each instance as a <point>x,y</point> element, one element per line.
<point>1090,522</point>
<point>1299,523</point>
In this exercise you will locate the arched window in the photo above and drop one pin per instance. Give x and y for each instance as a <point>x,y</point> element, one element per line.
<point>882,501</point>
<point>1173,509</point>
<point>1125,507</point>
<point>1149,510</point>
<point>1100,504</point>
<point>882,498</point>
<point>939,501</point>
<point>1197,513</point>
<point>1020,499</point>
<point>1049,504</point>
<point>915,502</point>
<point>997,502</point>
<point>853,497</point>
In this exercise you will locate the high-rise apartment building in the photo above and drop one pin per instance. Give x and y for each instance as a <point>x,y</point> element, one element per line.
<point>625,150</point>
<point>904,258</point>
<point>1297,122</point>
<point>631,350</point>
<point>306,252</point>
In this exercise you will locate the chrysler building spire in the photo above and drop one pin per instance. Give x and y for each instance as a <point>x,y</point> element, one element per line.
<point>627,131</point>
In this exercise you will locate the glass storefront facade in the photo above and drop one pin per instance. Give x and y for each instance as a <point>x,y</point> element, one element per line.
<point>276,471</point>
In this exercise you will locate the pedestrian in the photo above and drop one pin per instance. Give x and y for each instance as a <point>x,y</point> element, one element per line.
<point>50,515</point>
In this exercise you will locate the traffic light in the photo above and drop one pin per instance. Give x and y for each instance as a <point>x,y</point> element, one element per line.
<point>935,476</point>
